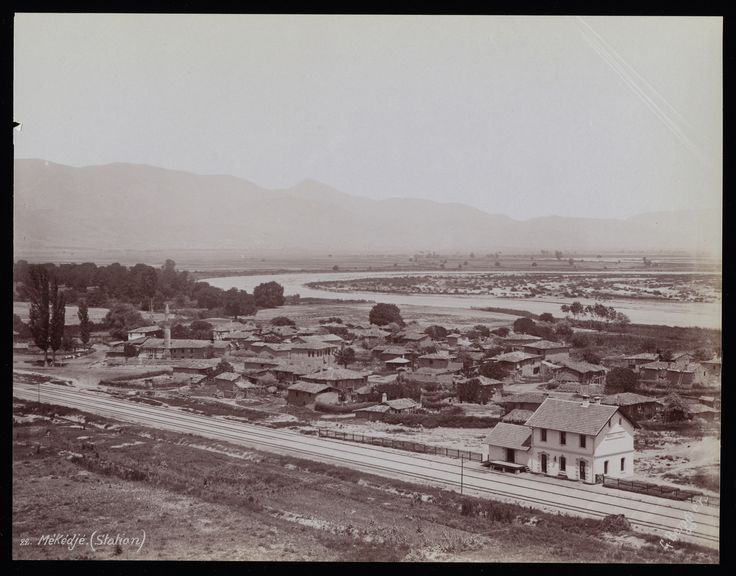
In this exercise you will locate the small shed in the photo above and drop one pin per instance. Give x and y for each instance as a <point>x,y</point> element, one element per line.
<point>509,443</point>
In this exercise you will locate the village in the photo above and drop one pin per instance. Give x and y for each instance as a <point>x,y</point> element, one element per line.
<point>510,400</point>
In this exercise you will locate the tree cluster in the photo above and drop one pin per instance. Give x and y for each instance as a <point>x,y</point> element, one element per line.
<point>146,287</point>
<point>384,314</point>
<point>47,310</point>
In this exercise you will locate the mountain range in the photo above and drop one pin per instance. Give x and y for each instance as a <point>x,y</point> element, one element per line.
<point>138,207</point>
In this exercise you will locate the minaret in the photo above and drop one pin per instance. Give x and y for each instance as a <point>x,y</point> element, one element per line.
<point>167,333</point>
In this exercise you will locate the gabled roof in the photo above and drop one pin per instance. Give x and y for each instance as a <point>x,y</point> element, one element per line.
<point>367,389</point>
<point>232,326</point>
<point>581,389</point>
<point>261,360</point>
<point>370,332</point>
<point>514,357</point>
<point>413,336</point>
<point>240,335</point>
<point>568,416</point>
<point>438,356</point>
<point>310,387</point>
<point>334,374</point>
<point>196,364</point>
<point>508,435</point>
<point>398,360</point>
<point>278,347</point>
<point>292,368</point>
<point>627,399</point>
<point>524,398</point>
<point>546,345</point>
<point>658,365</point>
<point>650,356</point>
<point>377,379</point>
<point>517,415</point>
<point>486,381</point>
<point>401,404</point>
<point>436,371</point>
<point>331,338</point>
<point>177,343</point>
<point>229,376</point>
<point>146,329</point>
<point>392,350</point>
<point>379,408</point>
<point>581,367</point>
<point>521,337</point>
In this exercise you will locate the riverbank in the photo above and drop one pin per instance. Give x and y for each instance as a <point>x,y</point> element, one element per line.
<point>640,311</point>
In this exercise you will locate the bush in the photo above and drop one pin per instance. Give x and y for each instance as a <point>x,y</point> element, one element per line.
<point>524,326</point>
<point>615,523</point>
<point>282,321</point>
<point>579,341</point>
<point>621,379</point>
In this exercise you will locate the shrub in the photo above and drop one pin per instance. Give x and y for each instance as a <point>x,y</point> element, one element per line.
<point>579,341</point>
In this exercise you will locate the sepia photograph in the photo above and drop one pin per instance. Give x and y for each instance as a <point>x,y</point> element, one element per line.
<point>367,288</point>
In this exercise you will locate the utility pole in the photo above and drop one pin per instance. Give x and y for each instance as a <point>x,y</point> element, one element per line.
<point>462,464</point>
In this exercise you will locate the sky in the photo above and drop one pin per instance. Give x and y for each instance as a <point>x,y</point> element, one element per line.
<point>517,115</point>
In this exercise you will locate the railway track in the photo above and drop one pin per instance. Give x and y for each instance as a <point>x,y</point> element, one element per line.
<point>647,516</point>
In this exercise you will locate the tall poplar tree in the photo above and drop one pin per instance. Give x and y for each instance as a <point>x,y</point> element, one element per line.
<point>84,325</point>
<point>58,316</point>
<point>37,285</point>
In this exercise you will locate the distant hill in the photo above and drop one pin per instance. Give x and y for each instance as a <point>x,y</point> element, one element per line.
<point>138,207</point>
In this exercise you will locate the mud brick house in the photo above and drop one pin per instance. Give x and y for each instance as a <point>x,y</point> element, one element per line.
<point>583,372</point>
<point>635,406</point>
<point>548,350</point>
<point>341,379</point>
<point>519,363</point>
<point>306,393</point>
<point>439,360</point>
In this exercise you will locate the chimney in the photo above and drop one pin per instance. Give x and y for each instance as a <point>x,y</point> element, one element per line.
<point>597,400</point>
<point>384,398</point>
<point>167,332</point>
<point>586,401</point>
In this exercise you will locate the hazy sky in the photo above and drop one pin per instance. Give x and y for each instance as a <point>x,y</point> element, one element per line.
<point>525,116</point>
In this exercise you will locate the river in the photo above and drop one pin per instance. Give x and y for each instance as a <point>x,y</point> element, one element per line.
<point>701,314</point>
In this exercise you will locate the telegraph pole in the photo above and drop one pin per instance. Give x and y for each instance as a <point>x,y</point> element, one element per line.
<point>462,463</point>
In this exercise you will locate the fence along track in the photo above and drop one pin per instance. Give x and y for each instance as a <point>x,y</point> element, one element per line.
<point>402,445</point>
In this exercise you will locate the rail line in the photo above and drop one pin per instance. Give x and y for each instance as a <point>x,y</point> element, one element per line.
<point>347,454</point>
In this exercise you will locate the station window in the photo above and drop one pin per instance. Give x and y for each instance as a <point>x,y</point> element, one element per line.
<point>563,437</point>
